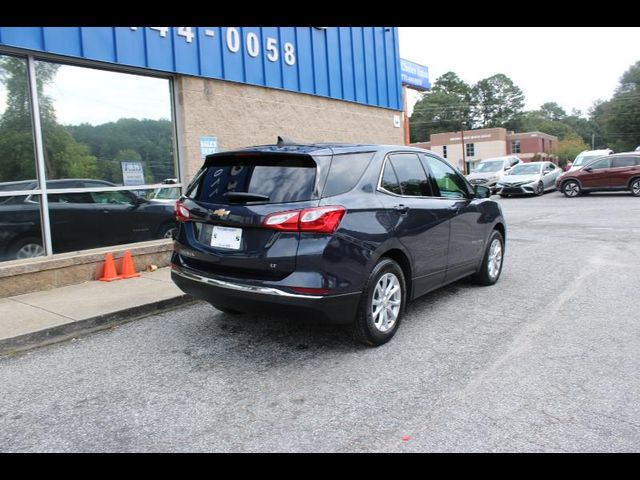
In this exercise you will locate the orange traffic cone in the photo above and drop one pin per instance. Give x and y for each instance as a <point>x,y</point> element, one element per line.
<point>128,269</point>
<point>109,273</point>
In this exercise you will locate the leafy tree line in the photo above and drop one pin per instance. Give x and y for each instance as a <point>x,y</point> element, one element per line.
<point>496,101</point>
<point>74,151</point>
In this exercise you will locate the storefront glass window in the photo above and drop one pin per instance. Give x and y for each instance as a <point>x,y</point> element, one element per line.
<point>17,158</point>
<point>104,125</point>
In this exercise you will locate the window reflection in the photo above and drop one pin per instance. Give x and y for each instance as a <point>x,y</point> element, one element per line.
<point>105,125</point>
<point>20,229</point>
<point>17,159</point>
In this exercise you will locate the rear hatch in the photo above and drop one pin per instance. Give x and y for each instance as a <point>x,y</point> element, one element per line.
<point>227,204</point>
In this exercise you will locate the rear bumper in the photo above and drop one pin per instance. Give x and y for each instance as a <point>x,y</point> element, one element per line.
<point>227,293</point>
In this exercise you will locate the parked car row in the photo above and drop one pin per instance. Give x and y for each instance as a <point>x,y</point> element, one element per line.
<point>593,170</point>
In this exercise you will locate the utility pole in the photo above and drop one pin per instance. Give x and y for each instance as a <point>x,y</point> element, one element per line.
<point>405,113</point>
<point>593,141</point>
<point>464,157</point>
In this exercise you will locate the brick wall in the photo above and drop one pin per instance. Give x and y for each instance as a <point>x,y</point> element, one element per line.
<point>243,115</point>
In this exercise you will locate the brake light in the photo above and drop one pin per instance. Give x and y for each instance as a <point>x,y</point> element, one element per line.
<point>319,220</point>
<point>182,213</point>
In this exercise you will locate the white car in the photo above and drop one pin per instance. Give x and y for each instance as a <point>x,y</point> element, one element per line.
<point>490,170</point>
<point>585,157</point>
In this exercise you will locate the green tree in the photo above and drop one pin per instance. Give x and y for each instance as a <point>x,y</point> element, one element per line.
<point>496,101</point>
<point>618,119</point>
<point>63,156</point>
<point>552,111</point>
<point>569,148</point>
<point>441,110</point>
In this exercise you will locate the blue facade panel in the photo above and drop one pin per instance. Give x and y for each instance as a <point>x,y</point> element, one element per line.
<point>347,63</point>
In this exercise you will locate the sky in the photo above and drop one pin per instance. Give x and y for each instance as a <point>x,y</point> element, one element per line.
<point>572,66</point>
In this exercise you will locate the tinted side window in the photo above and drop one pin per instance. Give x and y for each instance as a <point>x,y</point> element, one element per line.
<point>599,164</point>
<point>449,182</point>
<point>281,178</point>
<point>345,172</point>
<point>625,162</point>
<point>390,180</point>
<point>412,177</point>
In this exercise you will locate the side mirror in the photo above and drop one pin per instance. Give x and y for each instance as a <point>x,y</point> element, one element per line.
<point>506,169</point>
<point>546,172</point>
<point>482,192</point>
<point>588,169</point>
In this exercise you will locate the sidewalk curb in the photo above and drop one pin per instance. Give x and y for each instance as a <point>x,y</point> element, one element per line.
<point>60,333</point>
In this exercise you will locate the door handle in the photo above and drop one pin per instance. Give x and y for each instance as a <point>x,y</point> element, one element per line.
<point>402,209</point>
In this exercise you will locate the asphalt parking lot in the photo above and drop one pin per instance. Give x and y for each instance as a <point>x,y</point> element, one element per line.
<point>545,360</point>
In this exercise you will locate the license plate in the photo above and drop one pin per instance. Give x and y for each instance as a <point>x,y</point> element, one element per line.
<point>226,237</point>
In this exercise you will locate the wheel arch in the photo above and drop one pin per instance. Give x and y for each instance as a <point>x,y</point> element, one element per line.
<point>633,179</point>
<point>401,259</point>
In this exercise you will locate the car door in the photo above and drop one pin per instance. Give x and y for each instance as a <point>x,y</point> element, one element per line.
<point>119,216</point>
<point>622,168</point>
<point>421,219</point>
<point>549,175</point>
<point>596,174</point>
<point>467,234</point>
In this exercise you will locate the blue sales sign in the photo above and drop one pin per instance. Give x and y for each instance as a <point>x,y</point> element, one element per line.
<point>208,145</point>
<point>414,76</point>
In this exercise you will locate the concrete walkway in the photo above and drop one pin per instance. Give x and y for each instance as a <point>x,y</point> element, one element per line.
<point>39,318</point>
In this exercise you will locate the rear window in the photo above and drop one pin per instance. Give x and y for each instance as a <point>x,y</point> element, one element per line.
<point>625,162</point>
<point>346,170</point>
<point>281,178</point>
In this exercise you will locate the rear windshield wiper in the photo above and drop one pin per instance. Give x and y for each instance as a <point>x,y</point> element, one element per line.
<point>245,196</point>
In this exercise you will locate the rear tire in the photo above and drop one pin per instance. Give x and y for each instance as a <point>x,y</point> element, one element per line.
<point>492,261</point>
<point>382,304</point>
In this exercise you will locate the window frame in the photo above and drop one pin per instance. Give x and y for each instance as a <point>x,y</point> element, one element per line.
<point>42,191</point>
<point>434,186</point>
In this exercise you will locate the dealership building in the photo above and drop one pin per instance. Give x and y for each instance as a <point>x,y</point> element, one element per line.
<point>486,143</point>
<point>101,127</point>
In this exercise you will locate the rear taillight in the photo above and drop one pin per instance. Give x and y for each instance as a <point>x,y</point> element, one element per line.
<point>182,212</point>
<point>319,220</point>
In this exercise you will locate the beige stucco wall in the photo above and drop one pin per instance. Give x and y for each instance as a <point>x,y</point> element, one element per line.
<point>242,115</point>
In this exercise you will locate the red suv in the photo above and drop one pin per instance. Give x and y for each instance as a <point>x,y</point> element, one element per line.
<point>620,171</point>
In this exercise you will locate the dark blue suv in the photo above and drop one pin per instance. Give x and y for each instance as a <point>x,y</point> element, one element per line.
<point>342,233</point>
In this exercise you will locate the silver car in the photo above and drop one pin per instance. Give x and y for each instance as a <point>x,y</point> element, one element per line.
<point>529,178</point>
<point>491,170</point>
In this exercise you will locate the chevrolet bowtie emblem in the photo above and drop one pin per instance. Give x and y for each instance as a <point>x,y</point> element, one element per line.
<point>221,212</point>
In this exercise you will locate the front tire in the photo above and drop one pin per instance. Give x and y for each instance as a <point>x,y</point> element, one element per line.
<point>382,304</point>
<point>571,188</point>
<point>30,247</point>
<point>540,189</point>
<point>492,261</point>
<point>635,187</point>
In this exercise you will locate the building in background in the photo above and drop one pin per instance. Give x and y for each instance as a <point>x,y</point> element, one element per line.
<point>486,143</point>
<point>95,119</point>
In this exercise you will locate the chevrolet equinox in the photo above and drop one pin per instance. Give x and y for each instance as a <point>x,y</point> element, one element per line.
<point>337,232</point>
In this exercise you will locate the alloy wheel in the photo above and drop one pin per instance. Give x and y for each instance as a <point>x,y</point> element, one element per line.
<point>635,188</point>
<point>386,302</point>
<point>495,258</point>
<point>30,250</point>
<point>571,189</point>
